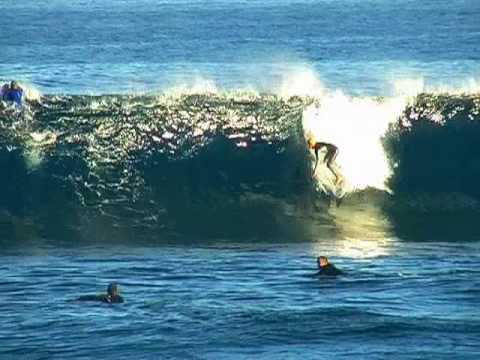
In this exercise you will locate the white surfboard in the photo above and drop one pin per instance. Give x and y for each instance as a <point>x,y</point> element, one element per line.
<point>326,181</point>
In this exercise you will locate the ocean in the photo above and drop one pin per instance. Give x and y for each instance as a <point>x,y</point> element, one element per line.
<point>162,145</point>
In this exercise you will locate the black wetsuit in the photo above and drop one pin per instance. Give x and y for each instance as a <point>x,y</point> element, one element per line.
<point>117,299</point>
<point>329,270</point>
<point>330,156</point>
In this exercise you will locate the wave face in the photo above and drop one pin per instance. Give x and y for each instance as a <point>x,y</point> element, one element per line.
<point>166,163</point>
<point>118,167</point>
<point>433,148</point>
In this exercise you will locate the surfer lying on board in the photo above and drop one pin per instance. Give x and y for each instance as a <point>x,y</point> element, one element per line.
<point>330,156</point>
<point>111,297</point>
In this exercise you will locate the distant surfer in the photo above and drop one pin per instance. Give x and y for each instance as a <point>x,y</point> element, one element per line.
<point>111,297</point>
<point>12,93</point>
<point>330,156</point>
<point>325,268</point>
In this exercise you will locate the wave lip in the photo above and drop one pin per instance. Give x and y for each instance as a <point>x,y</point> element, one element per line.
<point>223,163</point>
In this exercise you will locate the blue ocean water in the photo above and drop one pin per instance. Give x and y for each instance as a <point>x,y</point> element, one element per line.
<point>410,288</point>
<point>244,300</point>
<point>359,46</point>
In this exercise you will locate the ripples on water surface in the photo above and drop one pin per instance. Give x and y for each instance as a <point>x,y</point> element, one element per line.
<point>224,300</point>
<point>115,45</point>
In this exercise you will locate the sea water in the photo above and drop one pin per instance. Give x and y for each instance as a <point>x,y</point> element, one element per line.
<point>168,155</point>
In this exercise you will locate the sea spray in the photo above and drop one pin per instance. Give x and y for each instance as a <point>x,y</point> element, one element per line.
<point>356,127</point>
<point>181,163</point>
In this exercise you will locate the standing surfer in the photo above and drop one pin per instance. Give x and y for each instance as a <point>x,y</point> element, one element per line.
<point>330,156</point>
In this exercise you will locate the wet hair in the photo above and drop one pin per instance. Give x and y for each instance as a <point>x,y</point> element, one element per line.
<point>322,258</point>
<point>112,288</point>
<point>13,84</point>
<point>310,140</point>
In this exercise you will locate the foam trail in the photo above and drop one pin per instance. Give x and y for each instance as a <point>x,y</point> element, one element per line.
<point>355,126</point>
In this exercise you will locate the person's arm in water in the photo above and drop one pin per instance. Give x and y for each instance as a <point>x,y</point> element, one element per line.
<point>116,299</point>
<point>330,270</point>
<point>111,297</point>
<point>98,297</point>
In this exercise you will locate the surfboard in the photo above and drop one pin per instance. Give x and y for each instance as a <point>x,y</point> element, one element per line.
<point>326,182</point>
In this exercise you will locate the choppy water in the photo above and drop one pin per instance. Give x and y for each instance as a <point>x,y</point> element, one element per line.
<point>359,46</point>
<point>203,207</point>
<point>242,300</point>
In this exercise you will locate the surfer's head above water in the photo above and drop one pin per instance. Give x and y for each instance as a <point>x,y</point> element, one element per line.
<point>326,268</point>
<point>322,261</point>
<point>111,297</point>
<point>112,289</point>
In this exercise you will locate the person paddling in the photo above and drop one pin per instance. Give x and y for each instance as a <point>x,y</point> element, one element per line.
<point>325,268</point>
<point>111,297</point>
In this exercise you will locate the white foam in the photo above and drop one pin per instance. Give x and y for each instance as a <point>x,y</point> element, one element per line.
<point>300,81</point>
<point>416,85</point>
<point>197,85</point>
<point>355,126</point>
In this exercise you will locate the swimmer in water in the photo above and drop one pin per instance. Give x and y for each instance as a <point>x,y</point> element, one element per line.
<point>111,297</point>
<point>12,93</point>
<point>325,268</point>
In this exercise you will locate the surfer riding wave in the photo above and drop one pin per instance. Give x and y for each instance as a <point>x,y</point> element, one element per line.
<point>329,158</point>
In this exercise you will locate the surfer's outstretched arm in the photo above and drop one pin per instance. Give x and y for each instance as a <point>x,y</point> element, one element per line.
<point>316,158</point>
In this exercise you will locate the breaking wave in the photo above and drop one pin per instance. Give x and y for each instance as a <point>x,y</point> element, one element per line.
<point>228,163</point>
